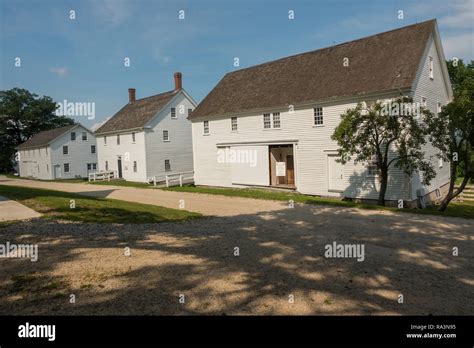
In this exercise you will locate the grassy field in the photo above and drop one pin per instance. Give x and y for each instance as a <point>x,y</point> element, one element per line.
<point>79,180</point>
<point>85,181</point>
<point>459,181</point>
<point>123,183</point>
<point>455,209</point>
<point>56,205</point>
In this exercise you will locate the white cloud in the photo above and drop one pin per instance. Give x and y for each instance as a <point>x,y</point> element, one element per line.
<point>462,16</point>
<point>112,11</point>
<point>158,54</point>
<point>459,46</point>
<point>58,71</point>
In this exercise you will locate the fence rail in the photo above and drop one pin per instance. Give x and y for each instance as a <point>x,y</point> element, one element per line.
<point>175,179</point>
<point>103,175</point>
<point>467,194</point>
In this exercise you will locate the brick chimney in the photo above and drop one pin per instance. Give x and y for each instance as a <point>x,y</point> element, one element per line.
<point>131,95</point>
<point>178,81</point>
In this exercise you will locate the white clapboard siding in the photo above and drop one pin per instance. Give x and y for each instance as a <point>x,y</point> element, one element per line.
<point>35,163</point>
<point>149,150</point>
<point>178,149</point>
<point>40,162</point>
<point>79,153</point>
<point>129,152</point>
<point>313,146</point>
<point>434,91</point>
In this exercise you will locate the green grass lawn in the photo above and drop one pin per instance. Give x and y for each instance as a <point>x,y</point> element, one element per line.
<point>56,205</point>
<point>77,180</point>
<point>85,181</point>
<point>455,209</point>
<point>123,183</point>
<point>459,181</point>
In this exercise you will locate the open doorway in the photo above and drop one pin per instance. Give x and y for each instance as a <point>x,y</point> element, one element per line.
<point>282,166</point>
<point>119,166</point>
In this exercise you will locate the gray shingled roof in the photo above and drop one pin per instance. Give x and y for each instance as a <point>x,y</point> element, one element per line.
<point>137,114</point>
<point>45,137</point>
<point>383,62</point>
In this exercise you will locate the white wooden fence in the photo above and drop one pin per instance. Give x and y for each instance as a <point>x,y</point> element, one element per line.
<point>175,179</point>
<point>103,175</point>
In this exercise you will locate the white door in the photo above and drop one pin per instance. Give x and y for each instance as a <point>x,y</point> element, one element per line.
<point>249,165</point>
<point>57,171</point>
<point>335,174</point>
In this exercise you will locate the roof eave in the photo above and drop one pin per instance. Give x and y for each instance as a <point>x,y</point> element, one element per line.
<point>401,90</point>
<point>116,131</point>
<point>53,140</point>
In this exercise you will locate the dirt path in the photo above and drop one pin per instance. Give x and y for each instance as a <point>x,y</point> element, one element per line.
<point>204,204</point>
<point>281,256</point>
<point>12,210</point>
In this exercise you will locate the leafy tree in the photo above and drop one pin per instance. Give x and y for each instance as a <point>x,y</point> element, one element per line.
<point>22,115</point>
<point>386,136</point>
<point>452,130</point>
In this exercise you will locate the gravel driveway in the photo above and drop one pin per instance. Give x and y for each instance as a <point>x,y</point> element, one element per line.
<point>281,258</point>
<point>205,204</point>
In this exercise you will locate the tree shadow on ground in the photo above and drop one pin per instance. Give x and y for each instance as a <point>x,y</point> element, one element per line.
<point>281,253</point>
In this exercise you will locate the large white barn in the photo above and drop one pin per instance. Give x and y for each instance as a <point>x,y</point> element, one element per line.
<point>281,115</point>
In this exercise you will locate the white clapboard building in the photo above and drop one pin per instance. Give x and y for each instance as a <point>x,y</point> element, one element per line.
<point>150,137</point>
<point>62,153</point>
<point>271,124</point>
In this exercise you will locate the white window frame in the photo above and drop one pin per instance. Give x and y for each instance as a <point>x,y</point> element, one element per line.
<point>318,116</point>
<point>95,149</point>
<point>105,140</point>
<point>107,165</point>
<point>65,147</point>
<point>73,133</point>
<point>372,169</point>
<point>166,136</point>
<point>233,124</point>
<point>174,115</point>
<point>68,168</point>
<point>167,167</point>
<point>84,135</point>
<point>276,120</point>
<point>431,67</point>
<point>206,128</point>
<point>118,139</point>
<point>135,166</point>
<point>133,138</point>
<point>424,102</point>
<point>267,121</point>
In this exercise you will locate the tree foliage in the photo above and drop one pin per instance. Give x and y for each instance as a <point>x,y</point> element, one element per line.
<point>452,130</point>
<point>22,115</point>
<point>368,133</point>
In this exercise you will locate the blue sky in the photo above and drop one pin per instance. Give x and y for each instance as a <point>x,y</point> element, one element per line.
<point>82,60</point>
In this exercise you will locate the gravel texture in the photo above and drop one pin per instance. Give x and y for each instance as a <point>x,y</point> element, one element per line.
<point>281,254</point>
